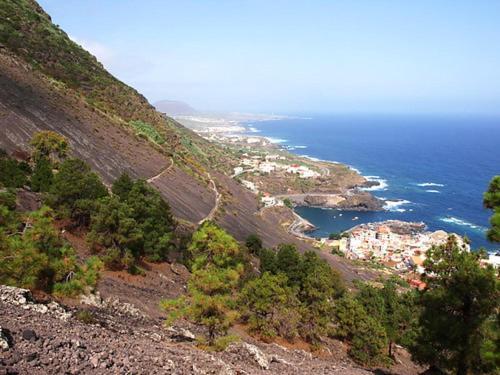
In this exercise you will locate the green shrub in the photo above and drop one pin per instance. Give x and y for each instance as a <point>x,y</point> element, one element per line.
<point>42,177</point>
<point>270,306</point>
<point>74,191</point>
<point>8,199</point>
<point>49,145</point>
<point>12,173</point>
<point>85,316</point>
<point>36,257</point>
<point>148,131</point>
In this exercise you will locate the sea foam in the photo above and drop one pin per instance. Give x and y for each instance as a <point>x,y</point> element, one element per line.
<point>462,223</point>
<point>382,183</point>
<point>395,205</point>
<point>426,184</point>
<point>276,140</point>
<point>432,191</point>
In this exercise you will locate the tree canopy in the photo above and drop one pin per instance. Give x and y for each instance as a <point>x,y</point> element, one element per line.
<point>460,307</point>
<point>492,201</point>
<point>49,144</point>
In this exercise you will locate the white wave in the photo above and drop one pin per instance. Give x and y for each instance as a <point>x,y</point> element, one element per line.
<point>426,184</point>
<point>354,169</point>
<point>300,146</point>
<point>253,130</point>
<point>432,191</point>
<point>395,205</point>
<point>276,140</point>
<point>462,223</point>
<point>382,183</point>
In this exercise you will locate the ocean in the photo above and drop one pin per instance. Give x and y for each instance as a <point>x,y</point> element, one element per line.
<point>430,168</point>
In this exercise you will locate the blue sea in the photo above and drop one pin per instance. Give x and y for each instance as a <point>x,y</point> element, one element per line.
<point>430,168</point>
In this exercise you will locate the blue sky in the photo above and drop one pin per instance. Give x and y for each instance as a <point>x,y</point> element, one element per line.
<point>297,56</point>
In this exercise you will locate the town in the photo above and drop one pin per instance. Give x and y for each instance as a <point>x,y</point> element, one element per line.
<point>395,244</point>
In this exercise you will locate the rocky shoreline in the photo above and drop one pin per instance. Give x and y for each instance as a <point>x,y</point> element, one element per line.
<point>350,201</point>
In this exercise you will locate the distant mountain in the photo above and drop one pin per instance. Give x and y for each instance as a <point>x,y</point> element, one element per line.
<point>174,108</point>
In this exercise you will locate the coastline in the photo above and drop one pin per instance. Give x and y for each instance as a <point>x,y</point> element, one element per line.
<point>242,136</point>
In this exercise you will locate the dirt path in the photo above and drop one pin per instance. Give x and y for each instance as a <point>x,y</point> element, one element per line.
<point>165,170</point>
<point>217,201</point>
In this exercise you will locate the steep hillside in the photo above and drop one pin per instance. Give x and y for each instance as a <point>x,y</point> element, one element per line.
<point>49,82</point>
<point>28,32</point>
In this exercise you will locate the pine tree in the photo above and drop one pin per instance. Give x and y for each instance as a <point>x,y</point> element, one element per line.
<point>492,201</point>
<point>460,302</point>
<point>42,176</point>
<point>270,306</point>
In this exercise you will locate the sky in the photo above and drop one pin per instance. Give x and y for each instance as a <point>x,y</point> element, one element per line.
<point>280,56</point>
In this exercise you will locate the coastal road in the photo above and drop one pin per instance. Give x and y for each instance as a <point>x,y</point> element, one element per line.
<point>332,199</point>
<point>243,172</point>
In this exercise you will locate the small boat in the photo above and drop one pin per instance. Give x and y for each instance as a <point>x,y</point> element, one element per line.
<point>340,214</point>
<point>355,218</point>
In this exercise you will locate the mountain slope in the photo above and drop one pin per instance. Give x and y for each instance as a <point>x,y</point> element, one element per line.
<point>50,82</point>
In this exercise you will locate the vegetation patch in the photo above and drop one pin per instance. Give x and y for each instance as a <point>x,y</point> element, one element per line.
<point>148,131</point>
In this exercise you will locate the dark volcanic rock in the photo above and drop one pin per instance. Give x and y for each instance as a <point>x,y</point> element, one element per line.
<point>361,201</point>
<point>133,345</point>
<point>30,335</point>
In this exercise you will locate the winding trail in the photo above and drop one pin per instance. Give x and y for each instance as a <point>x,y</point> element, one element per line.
<point>165,170</point>
<point>213,187</point>
<point>217,201</point>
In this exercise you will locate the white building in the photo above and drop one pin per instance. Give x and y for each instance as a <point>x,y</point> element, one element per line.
<point>249,185</point>
<point>272,157</point>
<point>270,201</point>
<point>267,167</point>
<point>494,259</point>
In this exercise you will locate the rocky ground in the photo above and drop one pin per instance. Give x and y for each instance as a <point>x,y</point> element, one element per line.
<point>108,336</point>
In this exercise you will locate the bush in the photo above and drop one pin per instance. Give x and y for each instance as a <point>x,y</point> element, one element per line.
<point>85,316</point>
<point>136,222</point>
<point>315,283</point>
<point>12,173</point>
<point>148,131</point>
<point>335,236</point>
<point>254,244</point>
<point>365,334</point>
<point>74,191</point>
<point>211,245</point>
<point>270,306</point>
<point>42,177</point>
<point>36,257</point>
<point>8,199</point>
<point>212,288</point>
<point>49,144</point>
